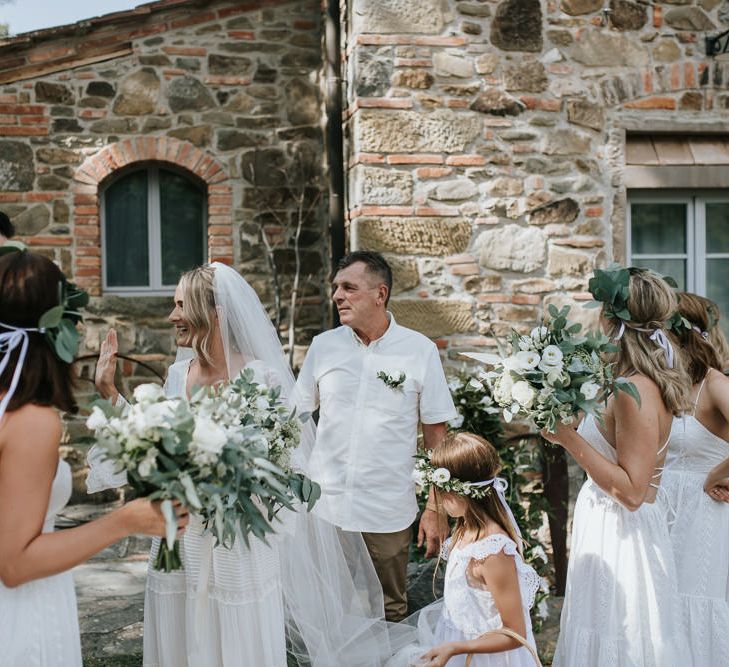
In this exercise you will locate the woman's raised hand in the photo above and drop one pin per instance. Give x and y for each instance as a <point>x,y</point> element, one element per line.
<point>106,367</point>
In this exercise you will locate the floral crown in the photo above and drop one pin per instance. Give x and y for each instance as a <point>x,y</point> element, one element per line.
<point>426,474</point>
<point>610,287</point>
<point>58,324</point>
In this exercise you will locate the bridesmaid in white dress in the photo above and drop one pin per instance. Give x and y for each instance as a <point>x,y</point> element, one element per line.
<point>700,526</point>
<point>621,601</point>
<point>38,616</point>
<point>241,607</point>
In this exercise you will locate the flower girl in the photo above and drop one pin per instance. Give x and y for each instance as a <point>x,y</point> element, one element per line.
<point>488,587</point>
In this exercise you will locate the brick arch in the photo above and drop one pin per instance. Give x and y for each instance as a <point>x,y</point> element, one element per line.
<point>98,167</point>
<point>662,86</point>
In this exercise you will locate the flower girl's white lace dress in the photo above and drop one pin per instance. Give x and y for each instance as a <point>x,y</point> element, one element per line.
<point>466,612</point>
<point>39,619</point>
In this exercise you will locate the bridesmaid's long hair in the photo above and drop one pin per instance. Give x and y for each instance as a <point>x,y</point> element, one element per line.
<point>651,303</point>
<point>699,354</point>
<point>471,458</point>
<point>198,308</point>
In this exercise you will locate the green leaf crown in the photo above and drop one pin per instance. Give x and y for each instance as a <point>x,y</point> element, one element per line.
<point>58,324</point>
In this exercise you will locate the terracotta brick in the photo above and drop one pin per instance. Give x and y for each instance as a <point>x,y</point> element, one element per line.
<point>559,68</point>
<point>413,62</point>
<point>224,259</point>
<point>689,75</point>
<point>407,158</point>
<point>441,343</point>
<point>220,230</point>
<point>220,189</point>
<point>89,231</point>
<point>657,16</point>
<point>387,210</point>
<point>23,131</point>
<point>242,34</point>
<point>493,298</point>
<point>92,113</point>
<point>10,196</point>
<point>594,212</point>
<point>32,109</point>
<point>455,103</point>
<point>9,120</point>
<point>86,210</point>
<point>87,272</point>
<point>647,81</point>
<point>465,269</point>
<point>43,196</point>
<point>304,24</point>
<point>87,261</point>
<point>466,160</point>
<point>442,211</point>
<point>8,98</point>
<point>368,158</point>
<point>32,120</point>
<point>432,172</point>
<point>219,210</point>
<point>84,75</point>
<point>171,73</point>
<point>81,199</point>
<point>384,103</point>
<point>220,241</point>
<point>50,240</point>
<point>92,251</point>
<point>676,76</point>
<point>227,80</point>
<point>653,103</point>
<point>463,258</point>
<point>194,19</point>
<point>220,200</point>
<point>526,299</point>
<point>686,37</point>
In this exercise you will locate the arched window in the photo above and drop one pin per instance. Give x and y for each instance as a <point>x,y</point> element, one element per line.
<point>153,229</point>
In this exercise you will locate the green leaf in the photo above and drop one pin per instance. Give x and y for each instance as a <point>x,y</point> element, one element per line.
<point>51,318</point>
<point>624,385</point>
<point>190,492</point>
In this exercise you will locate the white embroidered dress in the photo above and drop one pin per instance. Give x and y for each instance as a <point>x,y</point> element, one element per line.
<point>621,601</point>
<point>466,612</point>
<point>700,537</point>
<point>39,619</point>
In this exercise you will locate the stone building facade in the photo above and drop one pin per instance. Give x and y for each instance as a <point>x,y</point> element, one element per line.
<point>495,150</point>
<point>223,96</point>
<point>499,150</point>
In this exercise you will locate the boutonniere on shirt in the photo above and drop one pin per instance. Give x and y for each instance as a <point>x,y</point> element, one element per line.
<point>393,380</point>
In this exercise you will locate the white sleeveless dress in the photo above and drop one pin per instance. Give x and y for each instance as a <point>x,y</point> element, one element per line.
<point>39,619</point>
<point>700,537</point>
<point>466,612</point>
<point>621,601</point>
<point>225,609</point>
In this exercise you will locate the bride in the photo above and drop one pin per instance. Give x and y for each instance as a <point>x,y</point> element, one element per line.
<point>310,591</point>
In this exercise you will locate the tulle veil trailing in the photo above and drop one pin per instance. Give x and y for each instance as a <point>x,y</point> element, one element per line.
<point>332,597</point>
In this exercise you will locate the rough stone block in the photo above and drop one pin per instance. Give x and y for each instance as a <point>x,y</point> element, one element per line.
<point>688,18</point>
<point>17,168</point>
<point>32,221</point>
<point>434,317</point>
<point>455,190</point>
<point>529,76</point>
<point>497,103</point>
<point>562,211</point>
<point>383,186</point>
<point>627,15</point>
<point>138,94</point>
<point>410,131</point>
<point>579,7</point>
<point>565,142</point>
<point>604,49</point>
<point>449,64</point>
<point>586,114</point>
<point>517,26</point>
<point>405,274</point>
<point>413,236</point>
<point>512,248</point>
<point>397,16</point>
<point>188,94</point>
<point>563,262</point>
<point>505,186</point>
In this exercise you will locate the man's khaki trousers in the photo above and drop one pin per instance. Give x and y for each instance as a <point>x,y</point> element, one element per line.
<point>389,553</point>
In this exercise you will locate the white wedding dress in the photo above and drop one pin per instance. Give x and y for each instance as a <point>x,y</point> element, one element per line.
<point>466,612</point>
<point>621,601</point>
<point>39,619</point>
<point>700,537</point>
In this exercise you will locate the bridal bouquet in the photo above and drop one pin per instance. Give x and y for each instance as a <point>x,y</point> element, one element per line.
<point>212,453</point>
<point>553,373</point>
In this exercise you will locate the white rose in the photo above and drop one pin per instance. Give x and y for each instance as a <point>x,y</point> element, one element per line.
<point>148,393</point>
<point>523,393</point>
<point>157,415</point>
<point>512,363</point>
<point>539,334</point>
<point>208,436</point>
<point>590,390</point>
<point>97,419</point>
<point>502,389</point>
<point>441,475</point>
<point>552,355</point>
<point>528,360</point>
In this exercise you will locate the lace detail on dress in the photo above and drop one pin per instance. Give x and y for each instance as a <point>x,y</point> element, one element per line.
<point>472,610</point>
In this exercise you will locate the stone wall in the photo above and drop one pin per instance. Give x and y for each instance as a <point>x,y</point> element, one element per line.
<point>229,92</point>
<point>487,137</point>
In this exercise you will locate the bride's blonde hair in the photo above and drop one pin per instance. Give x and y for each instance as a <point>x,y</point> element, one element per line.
<point>198,308</point>
<point>651,303</point>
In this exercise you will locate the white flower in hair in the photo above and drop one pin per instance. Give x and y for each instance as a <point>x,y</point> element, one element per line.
<point>441,475</point>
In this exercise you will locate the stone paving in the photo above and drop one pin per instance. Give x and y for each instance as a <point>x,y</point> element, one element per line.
<point>110,591</point>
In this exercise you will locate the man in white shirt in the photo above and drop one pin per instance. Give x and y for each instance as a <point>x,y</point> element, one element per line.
<point>373,382</point>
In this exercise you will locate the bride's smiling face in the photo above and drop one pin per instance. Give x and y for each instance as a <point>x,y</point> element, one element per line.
<point>183,331</point>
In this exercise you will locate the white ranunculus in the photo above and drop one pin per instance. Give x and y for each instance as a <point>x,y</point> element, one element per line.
<point>539,334</point>
<point>528,360</point>
<point>512,363</point>
<point>157,415</point>
<point>148,393</point>
<point>208,436</point>
<point>502,389</point>
<point>590,390</point>
<point>97,419</point>
<point>552,355</point>
<point>441,475</point>
<point>523,393</point>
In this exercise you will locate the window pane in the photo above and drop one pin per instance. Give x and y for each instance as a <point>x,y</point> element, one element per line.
<point>181,215</point>
<point>676,268</point>
<point>717,227</point>
<point>717,288</point>
<point>658,229</point>
<point>127,243</point>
